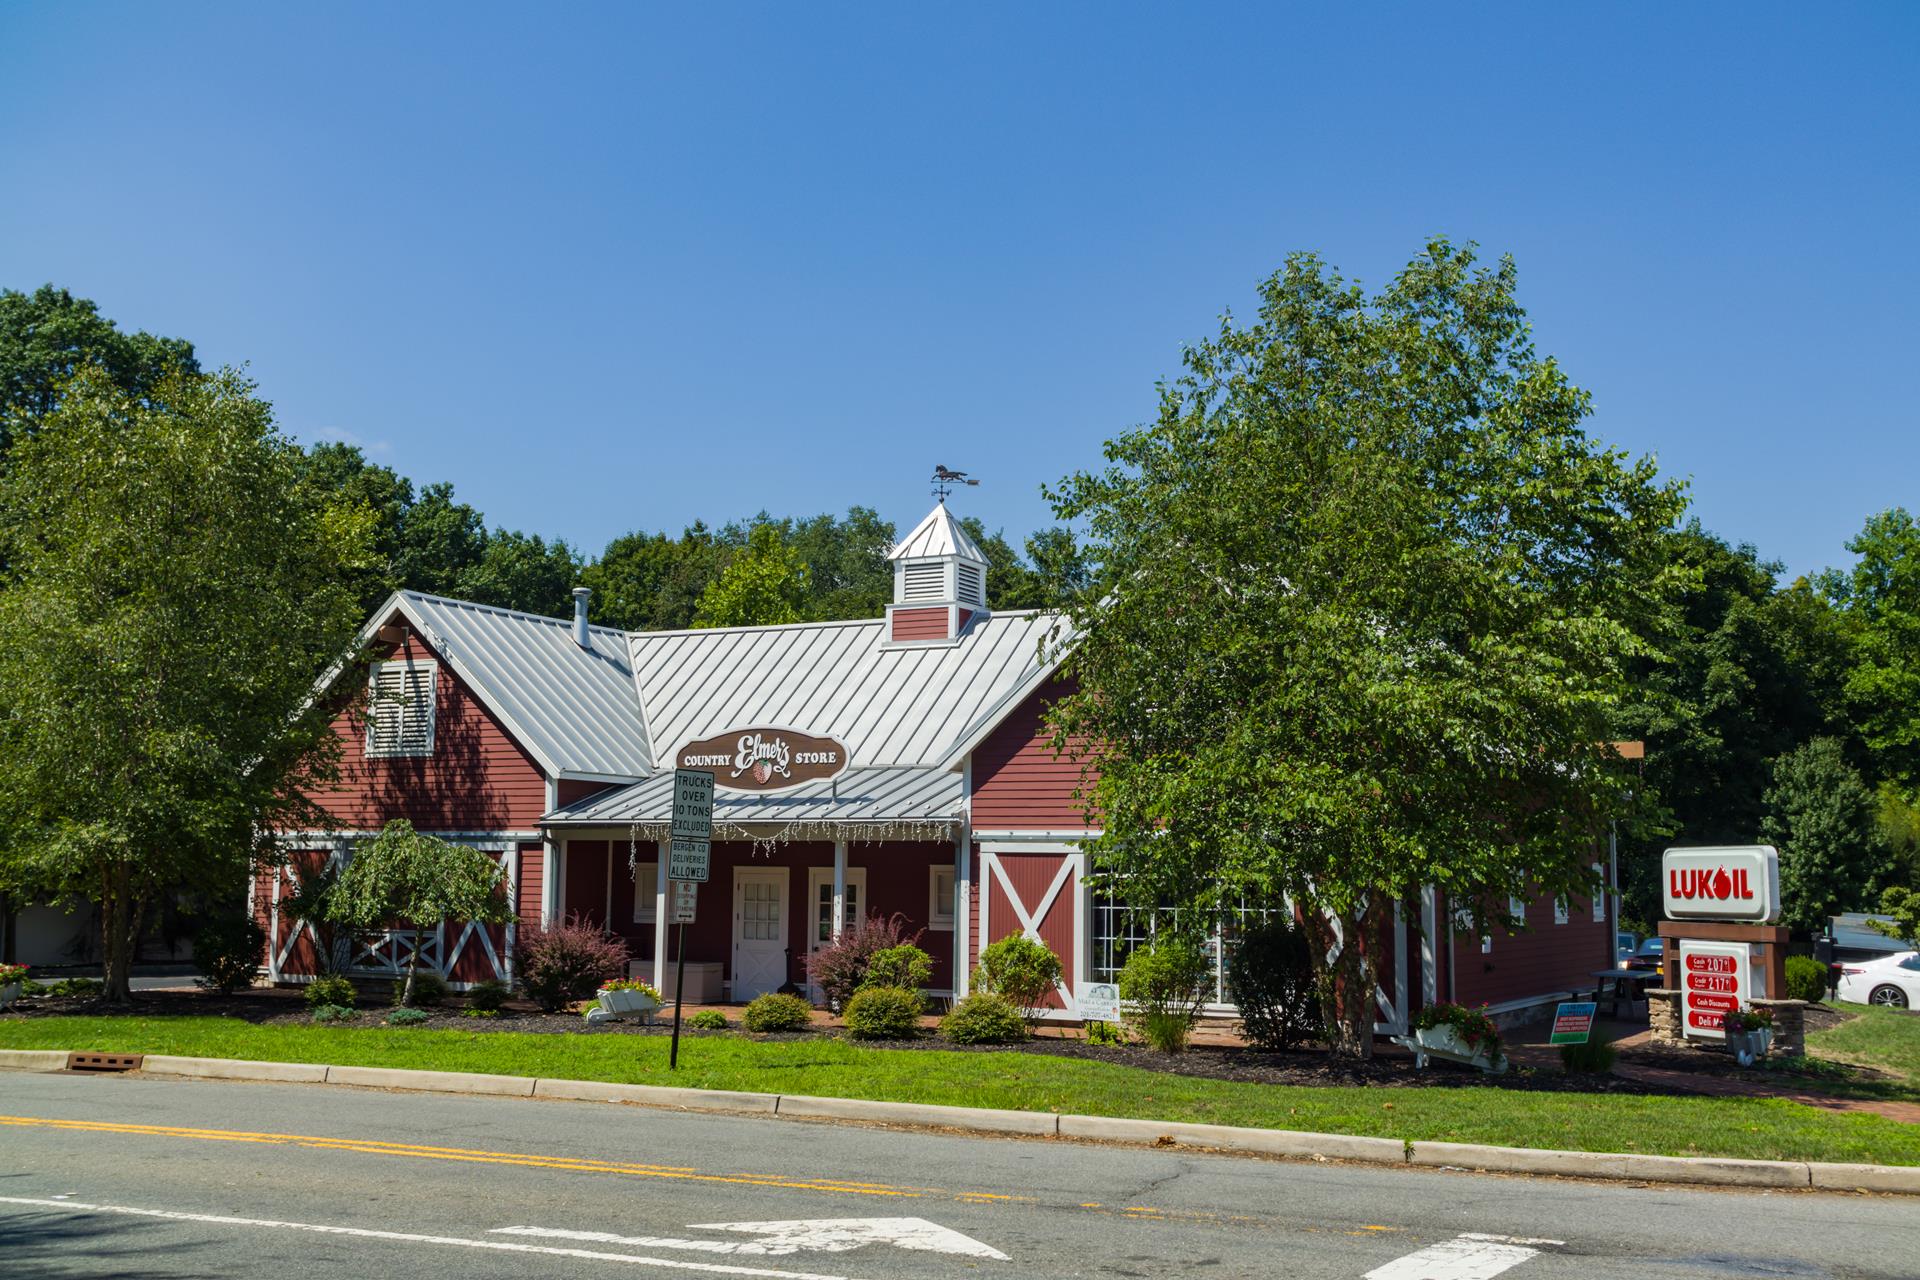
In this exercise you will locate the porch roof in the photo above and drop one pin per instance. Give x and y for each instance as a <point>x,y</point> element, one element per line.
<point>871,797</point>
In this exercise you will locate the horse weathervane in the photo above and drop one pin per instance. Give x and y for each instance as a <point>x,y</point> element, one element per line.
<point>946,480</point>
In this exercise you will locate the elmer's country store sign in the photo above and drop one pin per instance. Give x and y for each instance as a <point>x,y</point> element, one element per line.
<point>1740,884</point>
<point>763,759</point>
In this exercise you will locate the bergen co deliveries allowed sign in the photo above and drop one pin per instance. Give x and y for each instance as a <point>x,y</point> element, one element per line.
<point>1714,981</point>
<point>1722,884</point>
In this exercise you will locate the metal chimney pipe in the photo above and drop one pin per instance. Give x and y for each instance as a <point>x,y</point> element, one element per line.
<point>580,597</point>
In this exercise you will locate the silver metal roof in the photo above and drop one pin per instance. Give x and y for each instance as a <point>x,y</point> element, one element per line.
<point>938,535</point>
<point>888,705</point>
<point>911,795</point>
<point>575,709</point>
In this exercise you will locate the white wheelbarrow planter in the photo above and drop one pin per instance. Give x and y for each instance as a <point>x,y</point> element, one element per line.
<point>9,993</point>
<point>628,1004</point>
<point>1445,1042</point>
<point>1748,1047</point>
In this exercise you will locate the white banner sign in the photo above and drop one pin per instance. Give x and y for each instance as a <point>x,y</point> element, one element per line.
<point>1099,1002</point>
<point>1741,883</point>
<point>1716,978</point>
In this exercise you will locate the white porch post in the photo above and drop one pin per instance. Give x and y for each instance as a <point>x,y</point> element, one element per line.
<point>549,863</point>
<point>660,915</point>
<point>839,888</point>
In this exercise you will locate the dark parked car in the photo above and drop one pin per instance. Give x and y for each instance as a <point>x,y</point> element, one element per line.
<point>1649,956</point>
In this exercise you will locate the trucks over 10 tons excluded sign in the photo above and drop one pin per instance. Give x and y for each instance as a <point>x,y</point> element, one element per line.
<point>1715,979</point>
<point>690,842</point>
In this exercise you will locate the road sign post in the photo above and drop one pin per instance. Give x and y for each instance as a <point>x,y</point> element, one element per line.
<point>689,859</point>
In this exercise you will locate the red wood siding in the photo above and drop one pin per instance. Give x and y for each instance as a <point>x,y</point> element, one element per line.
<point>920,624</point>
<point>573,790</point>
<point>478,778</point>
<point>533,867</point>
<point>1030,875</point>
<point>1546,959</point>
<point>1019,784</point>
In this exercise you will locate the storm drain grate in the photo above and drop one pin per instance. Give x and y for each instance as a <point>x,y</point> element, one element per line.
<point>103,1061</point>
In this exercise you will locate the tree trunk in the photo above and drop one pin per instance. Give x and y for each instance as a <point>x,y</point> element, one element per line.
<point>413,963</point>
<point>1346,981</point>
<point>119,934</point>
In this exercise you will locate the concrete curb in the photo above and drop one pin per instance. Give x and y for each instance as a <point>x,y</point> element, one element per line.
<point>1618,1166</point>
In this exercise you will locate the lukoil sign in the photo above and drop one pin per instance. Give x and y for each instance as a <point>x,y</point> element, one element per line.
<point>1715,980</point>
<point>1740,883</point>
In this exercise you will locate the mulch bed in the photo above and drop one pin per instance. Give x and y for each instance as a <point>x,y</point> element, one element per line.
<point>1309,1066</point>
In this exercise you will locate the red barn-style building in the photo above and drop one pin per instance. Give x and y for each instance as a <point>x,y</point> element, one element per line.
<point>891,765</point>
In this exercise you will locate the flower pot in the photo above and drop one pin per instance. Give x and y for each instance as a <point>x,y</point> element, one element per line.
<point>1445,1042</point>
<point>1748,1047</point>
<point>624,1004</point>
<point>9,993</point>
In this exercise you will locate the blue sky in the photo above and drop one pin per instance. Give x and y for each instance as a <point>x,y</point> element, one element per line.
<point>620,267</point>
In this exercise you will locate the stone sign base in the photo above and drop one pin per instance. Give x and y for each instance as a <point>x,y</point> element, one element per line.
<point>1789,1023</point>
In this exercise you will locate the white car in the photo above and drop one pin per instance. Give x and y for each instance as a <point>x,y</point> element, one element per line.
<point>1893,981</point>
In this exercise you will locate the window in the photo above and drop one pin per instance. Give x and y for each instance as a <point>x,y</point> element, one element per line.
<point>1562,909</point>
<point>1599,895</point>
<point>646,890</point>
<point>1517,908</point>
<point>940,898</point>
<point>400,710</point>
<point>1118,929</point>
<point>820,880</point>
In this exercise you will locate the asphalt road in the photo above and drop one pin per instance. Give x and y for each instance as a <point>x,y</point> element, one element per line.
<point>126,1176</point>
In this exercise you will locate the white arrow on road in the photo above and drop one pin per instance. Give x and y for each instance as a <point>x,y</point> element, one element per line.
<point>1472,1256</point>
<point>820,1235</point>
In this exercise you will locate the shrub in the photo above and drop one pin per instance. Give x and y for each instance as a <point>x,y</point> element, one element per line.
<point>228,952</point>
<point>1806,979</point>
<point>1595,1057</point>
<point>1108,1035</point>
<point>1165,985</point>
<point>487,996</point>
<point>407,1017</point>
<point>479,1013</point>
<point>1271,980</point>
<point>335,991</point>
<point>1019,969</point>
<point>884,1013</point>
<point>903,966</point>
<point>776,1012</point>
<point>708,1020</point>
<point>429,988</point>
<point>568,962</point>
<point>984,1018</point>
<point>334,1013</point>
<point>840,967</point>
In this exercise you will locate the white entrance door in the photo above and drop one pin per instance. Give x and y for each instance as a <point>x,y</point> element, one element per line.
<point>820,907</point>
<point>759,930</point>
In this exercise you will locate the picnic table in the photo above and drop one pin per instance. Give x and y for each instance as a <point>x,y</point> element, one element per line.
<point>1611,986</point>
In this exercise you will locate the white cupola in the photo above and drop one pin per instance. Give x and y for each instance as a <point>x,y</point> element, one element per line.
<point>939,582</point>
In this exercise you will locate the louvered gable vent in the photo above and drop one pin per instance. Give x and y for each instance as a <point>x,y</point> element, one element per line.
<point>925,581</point>
<point>973,584</point>
<point>400,710</point>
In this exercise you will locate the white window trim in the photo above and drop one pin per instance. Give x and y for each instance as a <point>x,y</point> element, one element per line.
<point>374,709</point>
<point>820,877</point>
<point>1599,895</point>
<point>646,892</point>
<point>1562,908</point>
<point>936,918</point>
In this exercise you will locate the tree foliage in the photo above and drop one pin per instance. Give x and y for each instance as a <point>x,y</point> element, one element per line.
<point>1366,602</point>
<point>1825,821</point>
<point>1880,600</point>
<point>404,878</point>
<point>173,592</point>
<point>765,584</point>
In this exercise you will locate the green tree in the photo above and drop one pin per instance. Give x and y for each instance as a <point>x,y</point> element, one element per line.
<point>404,879</point>
<point>1367,597</point>
<point>49,335</point>
<point>175,590</point>
<point>1825,821</point>
<point>523,571</point>
<point>1880,598</point>
<point>766,583</point>
<point>651,582</point>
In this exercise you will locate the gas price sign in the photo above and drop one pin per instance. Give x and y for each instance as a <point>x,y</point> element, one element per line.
<point>1714,981</point>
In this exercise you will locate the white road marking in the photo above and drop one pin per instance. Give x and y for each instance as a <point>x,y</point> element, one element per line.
<point>1472,1256</point>
<point>824,1235</point>
<point>408,1237</point>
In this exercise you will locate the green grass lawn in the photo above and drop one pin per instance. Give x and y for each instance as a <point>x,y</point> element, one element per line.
<point>1756,1128</point>
<point>1885,1038</point>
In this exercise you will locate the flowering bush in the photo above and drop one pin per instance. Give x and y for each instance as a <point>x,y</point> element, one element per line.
<point>1747,1019</point>
<point>1473,1026</point>
<point>568,962</point>
<point>12,973</point>
<point>646,989</point>
<point>841,967</point>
